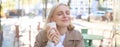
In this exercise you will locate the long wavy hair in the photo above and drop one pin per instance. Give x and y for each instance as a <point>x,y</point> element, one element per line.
<point>48,19</point>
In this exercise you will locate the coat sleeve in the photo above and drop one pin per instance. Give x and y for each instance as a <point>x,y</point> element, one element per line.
<point>39,40</point>
<point>80,43</point>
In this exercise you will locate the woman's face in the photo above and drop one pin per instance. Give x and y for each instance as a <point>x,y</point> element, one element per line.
<point>61,16</point>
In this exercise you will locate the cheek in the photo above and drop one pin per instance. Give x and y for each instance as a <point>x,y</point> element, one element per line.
<point>57,18</point>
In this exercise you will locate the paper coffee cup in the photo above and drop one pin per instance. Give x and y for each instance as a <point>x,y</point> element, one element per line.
<point>53,25</point>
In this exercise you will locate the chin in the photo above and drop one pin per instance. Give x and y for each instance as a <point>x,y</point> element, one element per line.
<point>64,24</point>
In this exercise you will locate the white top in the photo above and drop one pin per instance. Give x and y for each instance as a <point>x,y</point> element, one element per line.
<point>51,44</point>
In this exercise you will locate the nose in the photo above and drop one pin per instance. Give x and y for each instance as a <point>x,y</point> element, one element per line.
<point>64,15</point>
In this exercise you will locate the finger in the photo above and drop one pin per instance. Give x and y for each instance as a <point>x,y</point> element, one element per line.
<point>56,40</point>
<point>57,36</point>
<point>48,31</point>
<point>57,32</point>
<point>51,30</point>
<point>51,36</point>
<point>55,29</point>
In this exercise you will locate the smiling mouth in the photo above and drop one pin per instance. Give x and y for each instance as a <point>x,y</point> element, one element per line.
<point>64,20</point>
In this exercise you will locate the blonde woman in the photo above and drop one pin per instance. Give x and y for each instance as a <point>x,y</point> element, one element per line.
<point>64,35</point>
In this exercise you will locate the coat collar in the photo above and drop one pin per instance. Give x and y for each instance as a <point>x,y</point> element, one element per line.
<point>72,35</point>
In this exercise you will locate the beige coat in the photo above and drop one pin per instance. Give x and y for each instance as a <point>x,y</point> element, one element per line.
<point>72,39</point>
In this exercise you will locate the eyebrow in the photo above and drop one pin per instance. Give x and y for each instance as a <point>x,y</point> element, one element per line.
<point>62,11</point>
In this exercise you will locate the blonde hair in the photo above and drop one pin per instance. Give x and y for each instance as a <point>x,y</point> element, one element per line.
<point>48,19</point>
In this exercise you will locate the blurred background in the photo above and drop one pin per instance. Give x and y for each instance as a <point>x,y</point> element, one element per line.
<point>97,20</point>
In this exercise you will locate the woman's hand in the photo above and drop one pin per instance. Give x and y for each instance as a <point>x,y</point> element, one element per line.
<point>55,36</point>
<point>49,34</point>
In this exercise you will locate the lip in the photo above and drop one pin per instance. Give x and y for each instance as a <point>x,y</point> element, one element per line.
<point>64,20</point>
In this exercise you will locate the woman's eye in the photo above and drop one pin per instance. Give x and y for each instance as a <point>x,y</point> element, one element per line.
<point>67,13</point>
<point>59,14</point>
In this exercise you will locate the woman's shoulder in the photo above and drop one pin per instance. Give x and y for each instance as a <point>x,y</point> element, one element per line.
<point>77,32</point>
<point>41,35</point>
<point>41,39</point>
<point>75,35</point>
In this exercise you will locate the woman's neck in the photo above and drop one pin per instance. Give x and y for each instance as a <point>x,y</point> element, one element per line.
<point>62,30</point>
